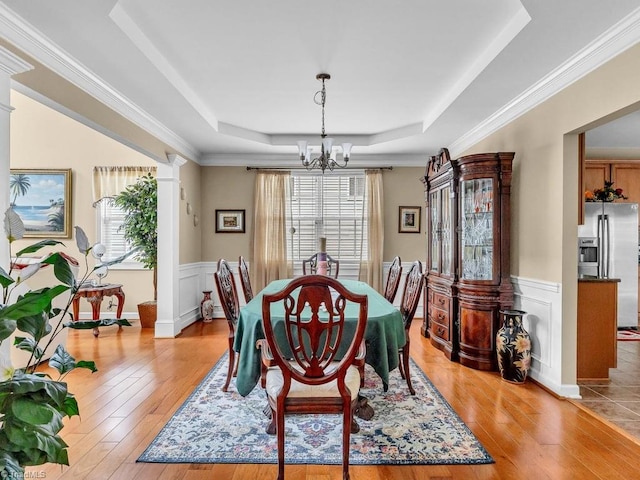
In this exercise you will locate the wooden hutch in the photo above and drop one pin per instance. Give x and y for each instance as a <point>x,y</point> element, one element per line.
<point>468,236</point>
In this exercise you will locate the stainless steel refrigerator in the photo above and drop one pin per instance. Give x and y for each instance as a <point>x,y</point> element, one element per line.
<point>608,248</point>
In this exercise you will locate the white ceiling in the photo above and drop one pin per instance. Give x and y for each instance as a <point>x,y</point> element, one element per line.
<point>230,81</point>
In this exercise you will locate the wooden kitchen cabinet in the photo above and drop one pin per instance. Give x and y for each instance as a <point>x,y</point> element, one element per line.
<point>597,327</point>
<point>468,245</point>
<point>624,174</point>
<point>627,177</point>
<point>595,174</point>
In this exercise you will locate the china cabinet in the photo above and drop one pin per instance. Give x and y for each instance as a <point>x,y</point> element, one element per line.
<point>468,236</point>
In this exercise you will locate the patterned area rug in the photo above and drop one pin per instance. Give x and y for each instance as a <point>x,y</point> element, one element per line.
<point>628,335</point>
<point>217,427</point>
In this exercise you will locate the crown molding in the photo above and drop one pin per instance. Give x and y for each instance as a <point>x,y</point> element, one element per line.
<point>11,64</point>
<point>292,161</point>
<point>21,34</point>
<point>622,36</point>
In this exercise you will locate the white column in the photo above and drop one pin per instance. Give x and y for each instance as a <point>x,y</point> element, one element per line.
<point>168,321</point>
<point>10,65</point>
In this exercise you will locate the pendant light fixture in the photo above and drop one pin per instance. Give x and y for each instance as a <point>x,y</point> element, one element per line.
<point>324,160</point>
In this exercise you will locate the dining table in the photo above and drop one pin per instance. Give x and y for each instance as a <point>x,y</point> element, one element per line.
<point>384,334</point>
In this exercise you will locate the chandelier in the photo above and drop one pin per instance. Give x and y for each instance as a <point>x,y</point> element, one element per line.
<point>323,161</point>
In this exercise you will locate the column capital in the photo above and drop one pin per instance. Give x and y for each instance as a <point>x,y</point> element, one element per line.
<point>11,64</point>
<point>176,160</point>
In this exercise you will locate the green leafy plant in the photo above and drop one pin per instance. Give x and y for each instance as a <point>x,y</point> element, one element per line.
<point>140,204</point>
<point>32,403</point>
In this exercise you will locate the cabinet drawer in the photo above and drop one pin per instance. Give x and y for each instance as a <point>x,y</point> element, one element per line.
<point>441,301</point>
<point>438,330</point>
<point>439,316</point>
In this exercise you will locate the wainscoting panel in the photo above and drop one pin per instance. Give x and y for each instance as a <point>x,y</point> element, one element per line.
<point>543,303</point>
<point>190,294</point>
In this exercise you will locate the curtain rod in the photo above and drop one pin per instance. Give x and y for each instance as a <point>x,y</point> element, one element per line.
<point>297,168</point>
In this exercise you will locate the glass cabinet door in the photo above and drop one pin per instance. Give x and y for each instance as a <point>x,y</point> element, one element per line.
<point>441,241</point>
<point>434,216</point>
<point>446,230</point>
<point>477,229</point>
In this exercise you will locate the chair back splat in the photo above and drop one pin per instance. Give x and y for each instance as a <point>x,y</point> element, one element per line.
<point>310,266</point>
<point>228,294</point>
<point>317,356</point>
<point>245,280</point>
<point>393,280</point>
<point>410,298</point>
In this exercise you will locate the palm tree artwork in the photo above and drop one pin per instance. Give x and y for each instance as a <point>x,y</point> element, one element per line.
<point>19,184</point>
<point>40,198</point>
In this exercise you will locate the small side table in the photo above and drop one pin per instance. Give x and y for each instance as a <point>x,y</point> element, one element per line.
<point>95,294</point>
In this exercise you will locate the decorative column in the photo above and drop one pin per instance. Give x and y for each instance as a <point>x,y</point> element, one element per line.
<point>10,65</point>
<point>168,322</point>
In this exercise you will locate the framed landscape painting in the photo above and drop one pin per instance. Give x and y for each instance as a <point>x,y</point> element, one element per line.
<point>42,199</point>
<point>229,221</point>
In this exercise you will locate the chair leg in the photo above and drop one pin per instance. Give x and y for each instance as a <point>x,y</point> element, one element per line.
<point>280,434</point>
<point>271,426</point>
<point>400,366</point>
<point>347,421</point>
<point>232,362</point>
<point>405,363</point>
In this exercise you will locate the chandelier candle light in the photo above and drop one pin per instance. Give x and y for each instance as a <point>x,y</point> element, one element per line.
<point>324,161</point>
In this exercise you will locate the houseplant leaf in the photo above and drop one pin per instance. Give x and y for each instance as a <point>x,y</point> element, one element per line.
<point>13,226</point>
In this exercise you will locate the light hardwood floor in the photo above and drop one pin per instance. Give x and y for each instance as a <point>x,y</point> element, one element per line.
<point>142,381</point>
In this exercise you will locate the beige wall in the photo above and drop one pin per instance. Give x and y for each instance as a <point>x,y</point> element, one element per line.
<point>44,138</point>
<point>227,188</point>
<point>190,233</point>
<point>545,180</point>
<point>402,187</point>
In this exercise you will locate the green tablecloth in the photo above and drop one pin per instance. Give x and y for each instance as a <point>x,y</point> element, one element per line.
<point>384,333</point>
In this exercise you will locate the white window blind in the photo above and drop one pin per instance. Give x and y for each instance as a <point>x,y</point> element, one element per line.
<point>330,205</point>
<point>110,218</point>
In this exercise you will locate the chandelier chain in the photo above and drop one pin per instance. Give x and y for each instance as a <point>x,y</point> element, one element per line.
<point>323,161</point>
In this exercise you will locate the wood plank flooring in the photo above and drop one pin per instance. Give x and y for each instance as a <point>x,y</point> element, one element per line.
<point>142,381</point>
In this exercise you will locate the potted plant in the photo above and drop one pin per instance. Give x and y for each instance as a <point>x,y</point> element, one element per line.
<point>139,202</point>
<point>32,403</point>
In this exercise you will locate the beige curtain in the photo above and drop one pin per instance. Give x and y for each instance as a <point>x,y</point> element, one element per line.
<point>109,181</point>
<point>269,260</point>
<point>371,268</point>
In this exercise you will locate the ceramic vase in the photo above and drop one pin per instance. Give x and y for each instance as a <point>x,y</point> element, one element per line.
<point>322,263</point>
<point>513,345</point>
<point>206,306</point>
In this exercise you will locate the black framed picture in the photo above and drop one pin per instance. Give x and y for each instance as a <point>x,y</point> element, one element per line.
<point>230,221</point>
<point>409,221</point>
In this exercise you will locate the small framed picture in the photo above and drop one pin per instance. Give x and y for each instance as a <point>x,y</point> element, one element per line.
<point>409,221</point>
<point>230,221</point>
<point>42,199</point>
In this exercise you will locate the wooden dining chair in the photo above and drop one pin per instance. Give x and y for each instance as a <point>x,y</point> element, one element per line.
<point>393,279</point>
<point>310,265</point>
<point>410,298</point>
<point>245,280</point>
<point>228,293</point>
<point>310,376</point>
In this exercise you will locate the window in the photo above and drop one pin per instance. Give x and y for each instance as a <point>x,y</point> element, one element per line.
<point>110,217</point>
<point>108,181</point>
<point>333,206</point>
